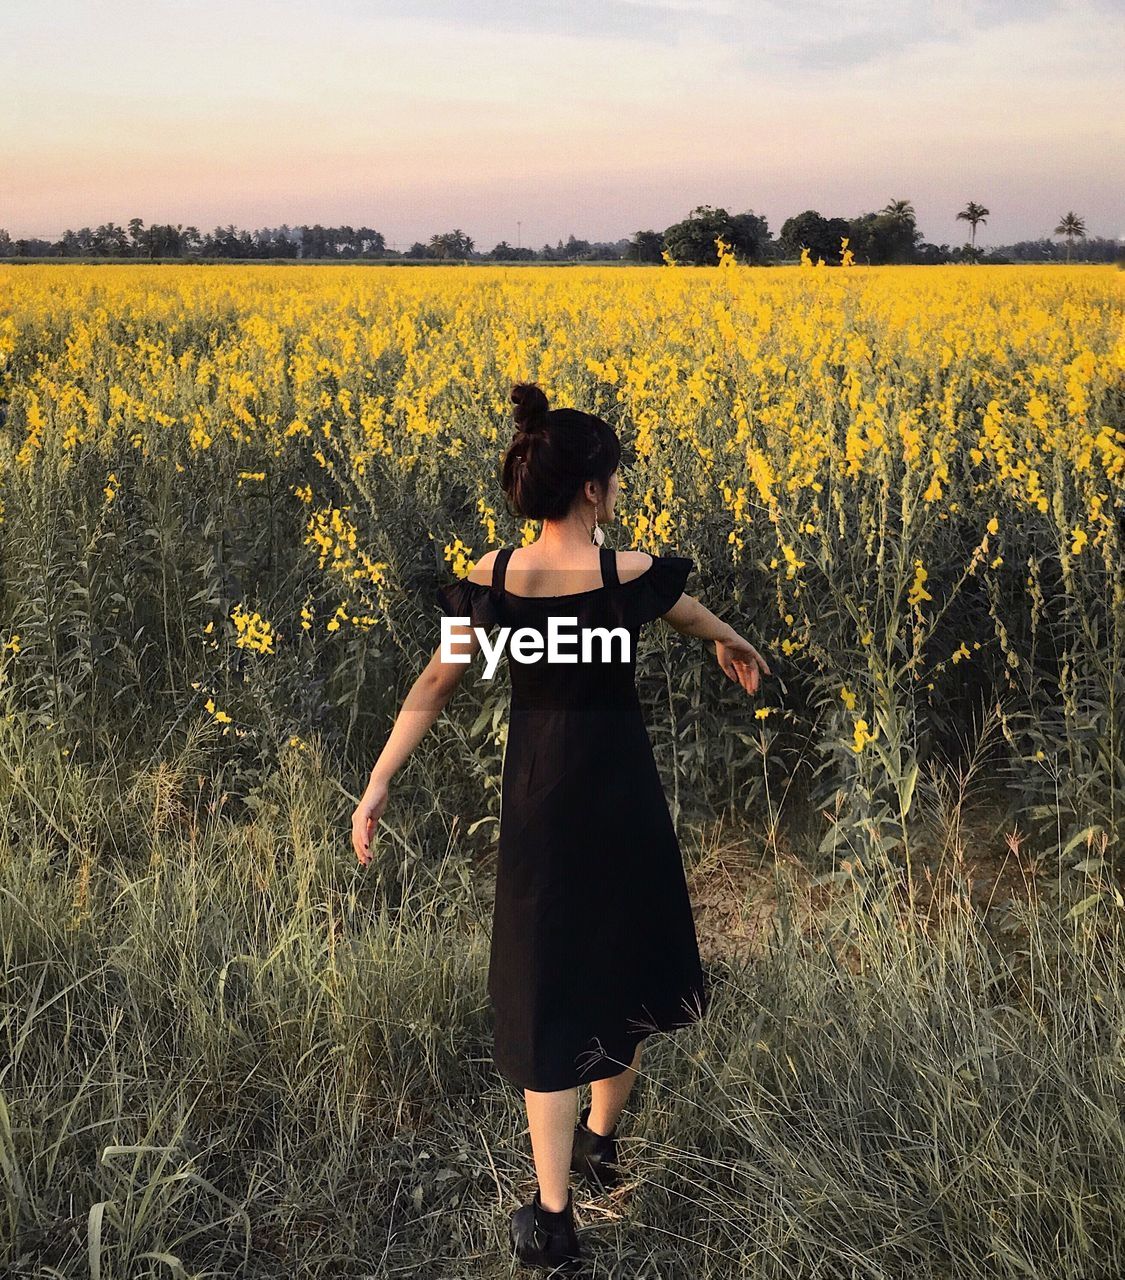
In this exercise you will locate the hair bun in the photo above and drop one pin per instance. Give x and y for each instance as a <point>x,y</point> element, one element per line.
<point>531,406</point>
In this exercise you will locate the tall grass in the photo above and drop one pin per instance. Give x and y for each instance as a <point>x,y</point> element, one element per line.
<point>229,1050</point>
<point>226,498</point>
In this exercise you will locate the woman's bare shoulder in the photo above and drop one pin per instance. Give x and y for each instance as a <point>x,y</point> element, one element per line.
<point>482,570</point>
<point>631,564</point>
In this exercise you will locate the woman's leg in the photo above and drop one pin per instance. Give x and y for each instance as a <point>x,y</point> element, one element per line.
<point>551,1117</point>
<point>608,1097</point>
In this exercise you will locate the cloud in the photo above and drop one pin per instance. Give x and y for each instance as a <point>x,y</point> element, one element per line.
<point>602,114</point>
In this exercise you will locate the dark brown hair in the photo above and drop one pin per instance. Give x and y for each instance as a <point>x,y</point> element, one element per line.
<point>553,453</point>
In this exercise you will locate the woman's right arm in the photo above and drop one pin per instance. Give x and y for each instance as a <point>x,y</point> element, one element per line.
<point>422,705</point>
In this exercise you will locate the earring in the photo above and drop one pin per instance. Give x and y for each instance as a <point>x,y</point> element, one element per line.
<point>597,534</point>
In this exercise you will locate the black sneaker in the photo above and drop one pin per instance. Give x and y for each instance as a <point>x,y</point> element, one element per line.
<point>594,1155</point>
<point>543,1239</point>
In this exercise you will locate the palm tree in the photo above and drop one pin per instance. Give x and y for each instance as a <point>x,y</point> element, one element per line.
<point>451,244</point>
<point>902,209</point>
<point>973,213</point>
<point>1072,225</point>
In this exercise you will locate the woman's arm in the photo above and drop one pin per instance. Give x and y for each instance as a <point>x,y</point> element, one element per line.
<point>735,654</point>
<point>422,705</point>
<point>420,708</point>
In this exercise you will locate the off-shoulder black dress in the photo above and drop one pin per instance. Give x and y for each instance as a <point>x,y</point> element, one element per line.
<point>593,941</point>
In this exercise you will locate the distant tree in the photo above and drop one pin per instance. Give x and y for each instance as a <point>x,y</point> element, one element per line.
<point>890,236</point>
<point>931,254</point>
<point>451,244</point>
<point>505,252</point>
<point>371,243</point>
<point>808,230</point>
<point>137,237</point>
<point>645,246</point>
<point>1071,226</point>
<point>574,249</point>
<point>749,236</point>
<point>973,213</point>
<point>693,240</point>
<point>165,240</point>
<point>111,241</point>
<point>228,242</point>
<point>895,232</point>
<point>900,209</point>
<point>604,251</point>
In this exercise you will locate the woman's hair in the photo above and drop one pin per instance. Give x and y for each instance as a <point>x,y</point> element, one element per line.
<point>552,455</point>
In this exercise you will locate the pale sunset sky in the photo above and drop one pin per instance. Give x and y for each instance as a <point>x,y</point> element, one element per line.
<point>593,117</point>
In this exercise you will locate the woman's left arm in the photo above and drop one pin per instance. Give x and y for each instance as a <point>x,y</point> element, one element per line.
<point>422,705</point>
<point>735,654</point>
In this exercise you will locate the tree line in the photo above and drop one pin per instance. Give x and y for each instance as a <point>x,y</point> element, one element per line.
<point>889,235</point>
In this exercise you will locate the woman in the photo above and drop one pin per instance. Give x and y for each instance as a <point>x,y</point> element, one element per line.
<point>593,940</point>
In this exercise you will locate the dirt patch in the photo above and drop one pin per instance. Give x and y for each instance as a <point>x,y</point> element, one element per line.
<point>735,885</point>
<point>735,881</point>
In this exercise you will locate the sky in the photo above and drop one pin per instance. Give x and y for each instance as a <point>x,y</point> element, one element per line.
<point>533,120</point>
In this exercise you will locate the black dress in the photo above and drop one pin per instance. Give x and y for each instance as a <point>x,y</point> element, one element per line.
<point>593,941</point>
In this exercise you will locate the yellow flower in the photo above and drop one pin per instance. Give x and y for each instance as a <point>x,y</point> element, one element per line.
<point>862,736</point>
<point>221,716</point>
<point>792,562</point>
<point>254,632</point>
<point>918,593</point>
<point>459,555</point>
<point>848,697</point>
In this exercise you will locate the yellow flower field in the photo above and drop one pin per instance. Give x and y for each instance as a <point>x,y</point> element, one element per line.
<point>906,484</point>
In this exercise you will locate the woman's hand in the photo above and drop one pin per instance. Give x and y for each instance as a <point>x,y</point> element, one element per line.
<point>366,816</point>
<point>742,662</point>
